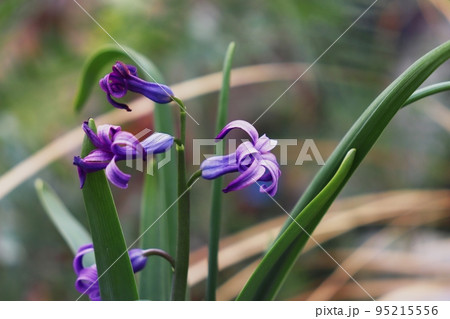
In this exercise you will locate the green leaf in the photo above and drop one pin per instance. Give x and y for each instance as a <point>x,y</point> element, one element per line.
<point>156,281</point>
<point>427,91</point>
<point>74,234</point>
<point>107,56</point>
<point>164,122</point>
<point>217,184</point>
<point>361,136</point>
<point>366,130</point>
<point>116,276</point>
<point>155,278</point>
<point>222,112</point>
<point>179,289</point>
<point>306,221</point>
<point>168,179</point>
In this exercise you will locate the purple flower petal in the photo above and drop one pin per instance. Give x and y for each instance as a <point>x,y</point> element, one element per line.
<point>269,157</point>
<point>116,85</point>
<point>117,104</point>
<point>157,143</point>
<point>91,135</point>
<point>252,159</point>
<point>132,69</point>
<point>84,167</point>
<point>123,69</point>
<point>124,78</point>
<point>265,144</point>
<point>95,294</point>
<point>126,145</point>
<point>243,125</point>
<point>138,261</point>
<point>112,145</point>
<point>275,173</point>
<point>78,260</point>
<point>87,283</point>
<point>216,166</point>
<point>98,155</point>
<point>87,277</point>
<point>116,176</point>
<point>250,176</point>
<point>106,134</point>
<point>89,167</point>
<point>104,83</point>
<point>81,175</point>
<point>156,92</point>
<point>246,153</point>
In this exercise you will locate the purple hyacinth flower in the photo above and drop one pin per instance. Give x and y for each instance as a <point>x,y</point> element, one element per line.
<point>138,260</point>
<point>113,145</point>
<point>252,159</point>
<point>124,78</point>
<point>87,277</point>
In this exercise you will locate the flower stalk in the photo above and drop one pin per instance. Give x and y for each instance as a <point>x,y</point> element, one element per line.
<point>217,185</point>
<point>183,233</point>
<point>194,177</point>
<point>160,253</point>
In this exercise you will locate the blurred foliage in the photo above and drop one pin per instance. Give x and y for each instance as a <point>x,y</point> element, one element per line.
<point>43,44</point>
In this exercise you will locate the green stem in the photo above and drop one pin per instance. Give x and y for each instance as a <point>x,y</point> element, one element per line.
<point>193,178</point>
<point>183,238</point>
<point>427,91</point>
<point>216,202</point>
<point>160,253</point>
<point>214,238</point>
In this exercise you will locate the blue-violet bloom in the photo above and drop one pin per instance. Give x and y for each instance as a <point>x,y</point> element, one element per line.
<point>124,78</point>
<point>113,145</point>
<point>252,159</point>
<point>87,277</point>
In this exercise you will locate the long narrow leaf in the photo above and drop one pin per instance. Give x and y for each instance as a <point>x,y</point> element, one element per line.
<point>155,279</point>
<point>116,276</point>
<point>427,91</point>
<point>216,202</point>
<point>301,226</point>
<point>74,234</point>
<point>156,282</point>
<point>366,130</point>
<point>362,136</point>
<point>164,122</point>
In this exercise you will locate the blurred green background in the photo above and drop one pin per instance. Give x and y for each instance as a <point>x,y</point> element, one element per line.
<point>43,45</point>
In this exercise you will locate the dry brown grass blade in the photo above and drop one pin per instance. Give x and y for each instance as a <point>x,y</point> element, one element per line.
<point>387,261</point>
<point>235,249</point>
<point>355,262</point>
<point>71,141</point>
<point>381,287</point>
<point>343,217</point>
<point>361,257</point>
<point>434,290</point>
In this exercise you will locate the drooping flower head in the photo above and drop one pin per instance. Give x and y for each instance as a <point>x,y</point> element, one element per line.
<point>87,277</point>
<point>124,78</point>
<point>113,145</point>
<point>252,160</point>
